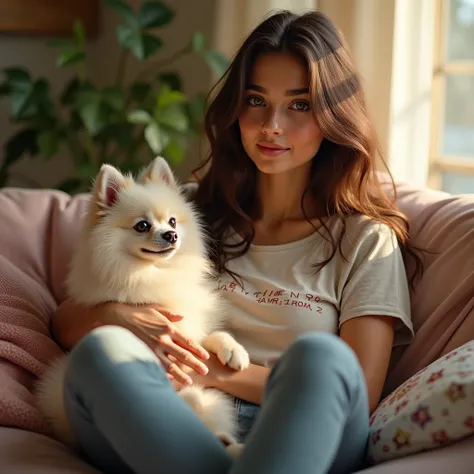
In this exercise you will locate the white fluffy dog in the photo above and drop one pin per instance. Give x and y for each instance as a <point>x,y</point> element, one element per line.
<point>142,242</point>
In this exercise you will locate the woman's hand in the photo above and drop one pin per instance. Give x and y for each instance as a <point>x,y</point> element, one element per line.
<point>155,327</point>
<point>216,373</point>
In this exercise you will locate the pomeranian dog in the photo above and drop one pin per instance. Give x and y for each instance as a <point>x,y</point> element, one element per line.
<point>143,242</point>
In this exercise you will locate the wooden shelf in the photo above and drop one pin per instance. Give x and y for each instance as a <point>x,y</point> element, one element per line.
<point>48,17</point>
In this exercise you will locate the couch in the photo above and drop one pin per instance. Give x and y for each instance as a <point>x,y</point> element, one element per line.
<point>36,237</point>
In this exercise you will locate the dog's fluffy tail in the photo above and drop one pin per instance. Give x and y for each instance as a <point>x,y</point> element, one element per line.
<point>215,409</point>
<point>50,401</point>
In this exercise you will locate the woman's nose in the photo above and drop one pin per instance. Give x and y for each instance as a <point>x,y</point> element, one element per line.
<point>273,125</point>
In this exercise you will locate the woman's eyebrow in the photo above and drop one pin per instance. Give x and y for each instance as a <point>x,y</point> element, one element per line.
<point>289,92</point>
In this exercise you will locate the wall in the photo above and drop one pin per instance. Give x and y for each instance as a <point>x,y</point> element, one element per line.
<point>33,54</point>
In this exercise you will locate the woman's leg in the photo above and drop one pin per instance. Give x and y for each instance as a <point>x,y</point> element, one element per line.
<point>314,418</point>
<point>119,400</point>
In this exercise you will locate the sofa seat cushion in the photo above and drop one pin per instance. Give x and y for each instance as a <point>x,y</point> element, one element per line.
<point>26,452</point>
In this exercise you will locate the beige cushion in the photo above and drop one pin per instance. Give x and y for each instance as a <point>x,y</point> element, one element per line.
<point>25,452</point>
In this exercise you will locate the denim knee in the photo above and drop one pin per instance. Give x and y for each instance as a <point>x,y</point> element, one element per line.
<point>312,351</point>
<point>102,349</point>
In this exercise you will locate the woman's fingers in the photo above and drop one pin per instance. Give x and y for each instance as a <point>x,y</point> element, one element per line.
<point>174,370</point>
<point>182,355</point>
<point>189,344</point>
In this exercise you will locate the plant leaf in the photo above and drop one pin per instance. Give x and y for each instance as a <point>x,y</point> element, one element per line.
<point>216,61</point>
<point>20,143</point>
<point>17,78</point>
<point>95,116</point>
<point>156,138</point>
<point>171,79</point>
<point>124,10</point>
<point>153,14</point>
<point>142,45</point>
<point>167,97</point>
<point>69,92</point>
<point>85,94</point>
<point>174,153</point>
<point>149,46</point>
<point>70,57</point>
<point>113,96</point>
<point>33,100</point>
<point>139,91</point>
<point>139,117</point>
<point>41,96</point>
<point>198,42</point>
<point>173,116</point>
<point>122,133</point>
<point>48,143</point>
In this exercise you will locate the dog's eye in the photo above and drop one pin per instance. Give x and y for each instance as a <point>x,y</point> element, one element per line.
<point>142,226</point>
<point>172,222</point>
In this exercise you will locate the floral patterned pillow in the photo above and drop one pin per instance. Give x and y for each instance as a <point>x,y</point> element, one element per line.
<point>433,408</point>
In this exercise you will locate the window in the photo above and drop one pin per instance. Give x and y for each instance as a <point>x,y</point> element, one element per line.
<point>451,165</point>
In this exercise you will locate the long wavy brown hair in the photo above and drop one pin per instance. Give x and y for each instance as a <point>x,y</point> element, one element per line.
<point>344,180</point>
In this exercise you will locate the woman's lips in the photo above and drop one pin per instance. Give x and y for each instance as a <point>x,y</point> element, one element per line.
<point>271,150</point>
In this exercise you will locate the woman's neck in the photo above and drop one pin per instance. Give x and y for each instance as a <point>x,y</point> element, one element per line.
<point>280,196</point>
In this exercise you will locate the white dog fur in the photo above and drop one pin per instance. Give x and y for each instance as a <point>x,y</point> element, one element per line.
<point>115,262</point>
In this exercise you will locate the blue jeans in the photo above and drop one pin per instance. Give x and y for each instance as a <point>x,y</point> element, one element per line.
<point>246,413</point>
<point>129,419</point>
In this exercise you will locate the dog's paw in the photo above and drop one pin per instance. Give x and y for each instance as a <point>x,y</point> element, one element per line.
<point>235,356</point>
<point>227,350</point>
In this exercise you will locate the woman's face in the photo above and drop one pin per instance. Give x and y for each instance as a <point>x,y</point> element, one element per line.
<point>277,125</point>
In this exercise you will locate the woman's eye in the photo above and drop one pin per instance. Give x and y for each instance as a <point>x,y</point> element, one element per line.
<point>300,106</point>
<point>255,101</point>
<point>172,222</point>
<point>142,226</point>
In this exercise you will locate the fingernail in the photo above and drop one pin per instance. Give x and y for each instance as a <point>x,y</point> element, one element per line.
<point>205,355</point>
<point>189,381</point>
<point>204,370</point>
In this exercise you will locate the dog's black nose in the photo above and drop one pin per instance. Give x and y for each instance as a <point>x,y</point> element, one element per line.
<point>171,236</point>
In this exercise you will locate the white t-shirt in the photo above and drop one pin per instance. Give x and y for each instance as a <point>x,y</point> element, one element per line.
<point>283,296</point>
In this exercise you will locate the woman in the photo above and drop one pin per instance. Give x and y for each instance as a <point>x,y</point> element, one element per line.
<point>309,253</point>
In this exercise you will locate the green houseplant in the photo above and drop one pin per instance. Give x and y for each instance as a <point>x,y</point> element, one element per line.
<point>122,124</point>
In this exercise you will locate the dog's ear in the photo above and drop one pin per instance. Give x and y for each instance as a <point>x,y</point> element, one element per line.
<point>107,186</point>
<point>158,171</point>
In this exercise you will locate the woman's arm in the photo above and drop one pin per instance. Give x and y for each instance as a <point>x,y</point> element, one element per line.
<point>247,384</point>
<point>371,338</point>
<point>71,322</point>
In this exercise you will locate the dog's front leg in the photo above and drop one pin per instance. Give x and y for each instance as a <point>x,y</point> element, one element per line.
<point>227,350</point>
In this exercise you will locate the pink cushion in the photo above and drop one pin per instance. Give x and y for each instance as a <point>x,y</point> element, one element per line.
<point>443,300</point>
<point>36,233</point>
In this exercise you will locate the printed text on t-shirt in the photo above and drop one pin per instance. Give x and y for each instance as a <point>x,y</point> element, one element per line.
<point>277,297</point>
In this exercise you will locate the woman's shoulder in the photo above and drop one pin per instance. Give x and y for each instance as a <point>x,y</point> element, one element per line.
<point>364,233</point>
<point>363,225</point>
